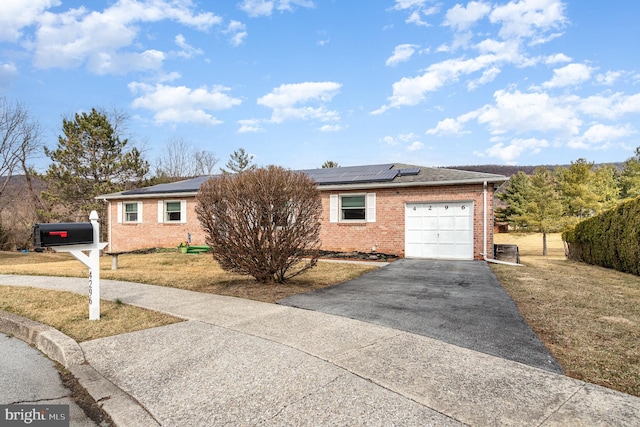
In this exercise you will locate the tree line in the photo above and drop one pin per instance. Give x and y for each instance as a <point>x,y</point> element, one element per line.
<point>554,199</point>
<point>94,155</point>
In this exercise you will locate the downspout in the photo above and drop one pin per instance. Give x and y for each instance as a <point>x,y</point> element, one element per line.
<point>108,202</point>
<point>484,253</point>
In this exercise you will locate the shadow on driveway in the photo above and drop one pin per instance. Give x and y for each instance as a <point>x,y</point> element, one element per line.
<point>458,302</point>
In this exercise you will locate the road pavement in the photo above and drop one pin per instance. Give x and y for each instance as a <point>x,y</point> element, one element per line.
<point>30,378</point>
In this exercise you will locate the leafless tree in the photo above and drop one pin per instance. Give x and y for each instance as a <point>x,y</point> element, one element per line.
<point>19,140</point>
<point>262,222</point>
<point>180,160</point>
<point>205,162</point>
<point>19,199</point>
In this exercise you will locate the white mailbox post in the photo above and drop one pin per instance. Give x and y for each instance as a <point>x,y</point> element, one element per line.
<point>92,261</point>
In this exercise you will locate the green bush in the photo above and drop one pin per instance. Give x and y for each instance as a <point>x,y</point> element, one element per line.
<point>611,239</point>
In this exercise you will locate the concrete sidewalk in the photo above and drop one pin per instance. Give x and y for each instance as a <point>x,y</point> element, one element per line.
<point>243,362</point>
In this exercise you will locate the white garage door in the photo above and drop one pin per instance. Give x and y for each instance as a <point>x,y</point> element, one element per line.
<point>439,230</point>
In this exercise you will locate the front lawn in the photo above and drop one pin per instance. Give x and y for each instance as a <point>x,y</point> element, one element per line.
<point>184,271</point>
<point>587,316</point>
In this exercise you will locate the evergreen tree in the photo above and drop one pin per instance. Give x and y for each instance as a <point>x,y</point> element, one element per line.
<point>330,164</point>
<point>606,183</point>
<point>239,161</point>
<point>630,177</point>
<point>543,209</point>
<point>514,195</point>
<point>90,159</point>
<point>576,185</point>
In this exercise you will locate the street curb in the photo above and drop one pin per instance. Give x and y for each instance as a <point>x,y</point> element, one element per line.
<point>123,409</point>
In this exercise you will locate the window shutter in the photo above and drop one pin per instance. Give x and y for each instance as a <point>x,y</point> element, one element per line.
<point>183,211</point>
<point>160,211</point>
<point>119,214</point>
<point>371,207</point>
<point>333,208</point>
<point>139,212</point>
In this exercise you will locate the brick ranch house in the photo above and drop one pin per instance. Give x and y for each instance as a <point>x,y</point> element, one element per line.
<point>408,210</point>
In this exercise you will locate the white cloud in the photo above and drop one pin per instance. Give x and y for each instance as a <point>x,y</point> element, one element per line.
<point>509,153</point>
<point>408,140</point>
<point>250,126</point>
<point>407,137</point>
<point>401,53</point>
<point>608,78</point>
<point>529,112</point>
<point>8,72</point>
<point>529,19</point>
<point>187,51</point>
<point>462,18</point>
<point>418,10</point>
<point>415,146</point>
<point>389,140</point>
<point>409,4</point>
<point>180,104</point>
<point>448,127</point>
<point>556,59</point>
<point>601,136</point>
<point>570,75</point>
<point>123,63</point>
<point>288,5</point>
<point>412,90</point>
<point>256,8</point>
<point>16,15</point>
<point>609,107</point>
<point>80,36</point>
<point>488,76</point>
<point>287,101</point>
<point>330,128</point>
<point>237,32</point>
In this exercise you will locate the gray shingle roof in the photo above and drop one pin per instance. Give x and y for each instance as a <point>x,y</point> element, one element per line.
<point>184,186</point>
<point>349,177</point>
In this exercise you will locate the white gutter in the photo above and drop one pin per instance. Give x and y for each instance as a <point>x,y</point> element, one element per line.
<point>379,185</point>
<point>484,253</point>
<point>138,196</point>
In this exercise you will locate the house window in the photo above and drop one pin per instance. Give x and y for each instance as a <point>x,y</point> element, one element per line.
<point>172,212</point>
<point>353,208</point>
<point>131,212</point>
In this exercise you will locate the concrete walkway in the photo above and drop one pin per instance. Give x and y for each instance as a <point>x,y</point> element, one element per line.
<point>243,362</point>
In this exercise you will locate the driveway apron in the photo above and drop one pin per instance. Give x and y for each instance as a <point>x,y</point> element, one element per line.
<point>458,302</point>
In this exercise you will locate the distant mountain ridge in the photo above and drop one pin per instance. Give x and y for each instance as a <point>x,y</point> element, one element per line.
<point>509,170</point>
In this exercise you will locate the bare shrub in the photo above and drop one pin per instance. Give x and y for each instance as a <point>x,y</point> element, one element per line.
<point>262,222</point>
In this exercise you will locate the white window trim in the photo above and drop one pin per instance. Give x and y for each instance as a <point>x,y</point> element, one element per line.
<point>335,208</point>
<point>121,214</point>
<point>162,211</point>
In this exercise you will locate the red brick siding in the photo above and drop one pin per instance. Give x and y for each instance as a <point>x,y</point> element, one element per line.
<point>386,234</point>
<point>150,233</point>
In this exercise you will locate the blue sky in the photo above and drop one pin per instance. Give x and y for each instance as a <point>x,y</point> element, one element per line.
<point>299,82</point>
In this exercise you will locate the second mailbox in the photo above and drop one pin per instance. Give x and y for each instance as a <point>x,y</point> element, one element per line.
<point>62,234</point>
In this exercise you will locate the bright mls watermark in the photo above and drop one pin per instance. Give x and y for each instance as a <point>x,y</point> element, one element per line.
<point>34,415</point>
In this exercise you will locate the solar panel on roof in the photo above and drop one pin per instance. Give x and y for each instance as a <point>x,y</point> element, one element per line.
<point>408,171</point>
<point>353,174</point>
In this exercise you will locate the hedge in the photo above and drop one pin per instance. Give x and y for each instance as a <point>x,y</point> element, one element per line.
<point>611,239</point>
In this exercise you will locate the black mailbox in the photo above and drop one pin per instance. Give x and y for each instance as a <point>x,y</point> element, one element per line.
<point>62,234</point>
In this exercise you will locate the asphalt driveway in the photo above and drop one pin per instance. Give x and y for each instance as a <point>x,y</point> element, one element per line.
<point>458,302</point>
